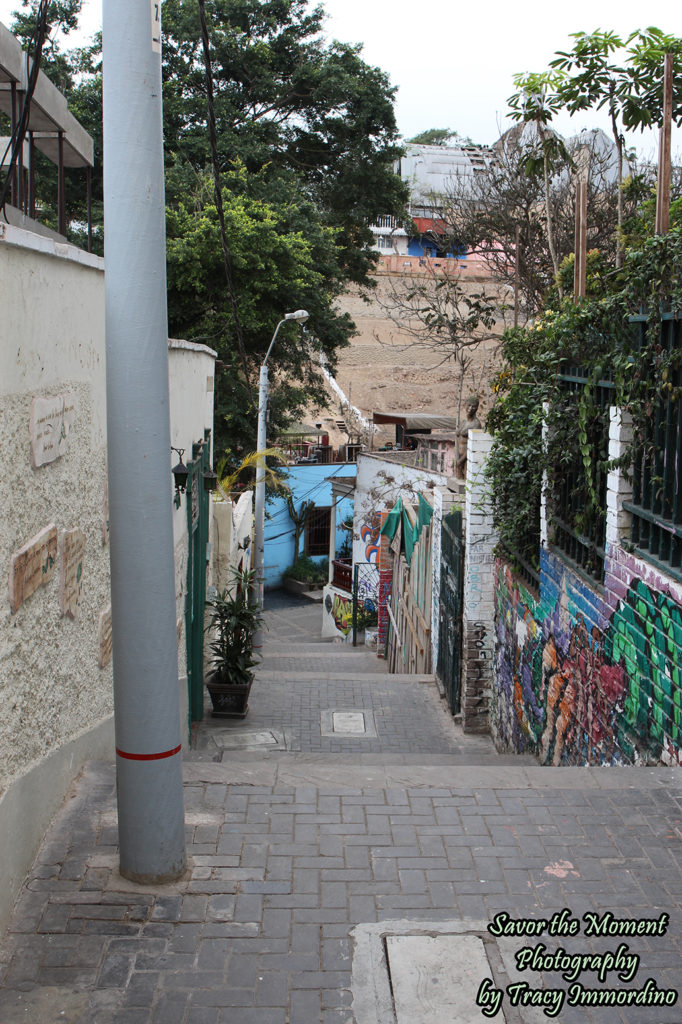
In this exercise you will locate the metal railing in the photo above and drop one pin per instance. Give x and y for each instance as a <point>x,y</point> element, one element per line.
<point>342,574</point>
<point>578,520</point>
<point>656,506</point>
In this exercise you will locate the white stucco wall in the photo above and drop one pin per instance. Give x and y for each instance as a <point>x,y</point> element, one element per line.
<point>232,529</point>
<point>191,381</point>
<point>380,482</point>
<point>56,699</point>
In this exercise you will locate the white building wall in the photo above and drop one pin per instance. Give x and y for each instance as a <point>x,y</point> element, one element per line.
<point>379,484</point>
<point>191,380</point>
<point>444,500</point>
<point>55,668</point>
<point>478,633</point>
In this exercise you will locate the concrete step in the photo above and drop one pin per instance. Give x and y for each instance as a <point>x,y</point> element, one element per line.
<point>329,671</point>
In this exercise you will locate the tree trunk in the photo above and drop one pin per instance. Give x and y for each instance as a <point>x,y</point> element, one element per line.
<point>548,211</point>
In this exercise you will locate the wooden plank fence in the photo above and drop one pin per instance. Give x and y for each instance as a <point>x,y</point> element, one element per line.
<point>409,640</point>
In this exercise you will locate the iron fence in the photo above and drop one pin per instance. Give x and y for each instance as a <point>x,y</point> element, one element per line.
<point>656,506</point>
<point>365,597</point>
<point>577,508</point>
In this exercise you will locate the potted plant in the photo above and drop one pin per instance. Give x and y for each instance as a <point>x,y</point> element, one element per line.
<point>232,626</point>
<point>305,575</point>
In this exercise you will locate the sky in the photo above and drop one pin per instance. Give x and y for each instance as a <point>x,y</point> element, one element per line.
<point>454,60</point>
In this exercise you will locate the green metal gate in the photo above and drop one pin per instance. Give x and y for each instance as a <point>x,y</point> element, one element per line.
<point>451,598</point>
<point>198,500</point>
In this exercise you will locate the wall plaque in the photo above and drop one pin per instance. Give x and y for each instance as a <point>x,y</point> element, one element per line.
<point>32,566</point>
<point>50,421</point>
<point>105,637</point>
<point>71,571</point>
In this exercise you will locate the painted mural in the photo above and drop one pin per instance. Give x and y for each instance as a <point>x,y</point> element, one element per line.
<point>370,537</point>
<point>586,677</point>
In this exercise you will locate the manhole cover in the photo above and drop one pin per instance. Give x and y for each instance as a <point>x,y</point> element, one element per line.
<point>426,972</point>
<point>348,722</point>
<point>228,739</point>
<point>435,979</point>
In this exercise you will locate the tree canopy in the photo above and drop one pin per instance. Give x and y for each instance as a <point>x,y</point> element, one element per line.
<point>306,144</point>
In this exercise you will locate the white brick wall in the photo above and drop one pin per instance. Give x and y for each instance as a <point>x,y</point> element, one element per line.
<point>479,616</point>
<point>618,489</point>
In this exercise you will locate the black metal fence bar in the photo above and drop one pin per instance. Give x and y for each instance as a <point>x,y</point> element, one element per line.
<point>656,506</point>
<point>584,545</point>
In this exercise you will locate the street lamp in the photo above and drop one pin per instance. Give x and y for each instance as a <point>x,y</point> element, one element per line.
<point>300,315</point>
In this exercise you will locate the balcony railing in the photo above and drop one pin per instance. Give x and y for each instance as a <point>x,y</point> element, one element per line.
<point>342,574</point>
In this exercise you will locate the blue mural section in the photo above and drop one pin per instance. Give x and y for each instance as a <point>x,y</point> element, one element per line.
<point>587,676</point>
<point>423,246</point>
<point>307,483</point>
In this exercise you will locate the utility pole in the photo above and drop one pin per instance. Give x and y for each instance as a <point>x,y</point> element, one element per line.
<point>146,700</point>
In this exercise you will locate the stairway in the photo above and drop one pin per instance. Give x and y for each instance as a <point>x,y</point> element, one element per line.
<point>329,702</point>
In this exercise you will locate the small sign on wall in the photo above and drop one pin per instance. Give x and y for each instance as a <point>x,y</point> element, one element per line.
<point>32,566</point>
<point>71,571</point>
<point>105,637</point>
<point>156,25</point>
<point>50,421</point>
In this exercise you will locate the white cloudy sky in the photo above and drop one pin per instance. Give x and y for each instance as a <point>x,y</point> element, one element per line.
<point>453,60</point>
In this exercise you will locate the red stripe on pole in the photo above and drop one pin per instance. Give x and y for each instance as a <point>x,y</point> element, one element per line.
<point>149,757</point>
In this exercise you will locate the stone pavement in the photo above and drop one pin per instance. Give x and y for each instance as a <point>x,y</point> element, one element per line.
<point>305,849</point>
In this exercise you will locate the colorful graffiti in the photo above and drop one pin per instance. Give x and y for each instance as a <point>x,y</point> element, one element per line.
<point>342,614</point>
<point>586,678</point>
<point>370,538</point>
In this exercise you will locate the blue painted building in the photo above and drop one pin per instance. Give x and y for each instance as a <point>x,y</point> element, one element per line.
<point>307,483</point>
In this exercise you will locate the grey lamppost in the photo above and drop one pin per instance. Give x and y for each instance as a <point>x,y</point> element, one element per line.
<point>146,698</point>
<point>301,315</point>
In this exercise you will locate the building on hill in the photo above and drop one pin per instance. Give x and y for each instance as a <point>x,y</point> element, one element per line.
<point>428,170</point>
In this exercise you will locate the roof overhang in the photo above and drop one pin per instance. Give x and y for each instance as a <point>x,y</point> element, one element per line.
<point>49,115</point>
<point>416,420</point>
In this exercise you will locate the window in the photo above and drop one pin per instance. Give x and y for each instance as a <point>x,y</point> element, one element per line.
<point>317,526</point>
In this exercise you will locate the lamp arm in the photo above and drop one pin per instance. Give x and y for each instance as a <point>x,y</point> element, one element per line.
<point>274,339</point>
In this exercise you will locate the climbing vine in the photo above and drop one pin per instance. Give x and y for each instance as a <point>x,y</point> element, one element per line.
<point>544,431</point>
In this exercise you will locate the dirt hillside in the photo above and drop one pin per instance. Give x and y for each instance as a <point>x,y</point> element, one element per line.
<point>383,369</point>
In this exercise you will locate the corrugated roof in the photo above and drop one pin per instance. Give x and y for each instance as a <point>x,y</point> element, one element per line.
<point>416,420</point>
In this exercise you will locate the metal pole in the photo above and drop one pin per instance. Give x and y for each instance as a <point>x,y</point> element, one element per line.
<point>146,700</point>
<point>258,589</point>
<point>259,512</point>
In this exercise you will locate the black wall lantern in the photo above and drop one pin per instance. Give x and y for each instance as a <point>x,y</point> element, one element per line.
<point>210,480</point>
<point>180,473</point>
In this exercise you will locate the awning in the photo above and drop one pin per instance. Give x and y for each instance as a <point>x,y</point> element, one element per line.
<point>416,420</point>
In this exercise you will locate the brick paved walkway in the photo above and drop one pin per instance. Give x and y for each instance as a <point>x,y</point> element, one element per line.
<point>299,853</point>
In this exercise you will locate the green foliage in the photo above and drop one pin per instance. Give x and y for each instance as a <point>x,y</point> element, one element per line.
<point>434,137</point>
<point>305,570</point>
<point>597,335</point>
<point>307,143</point>
<point>232,625</point>
<point>286,102</point>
